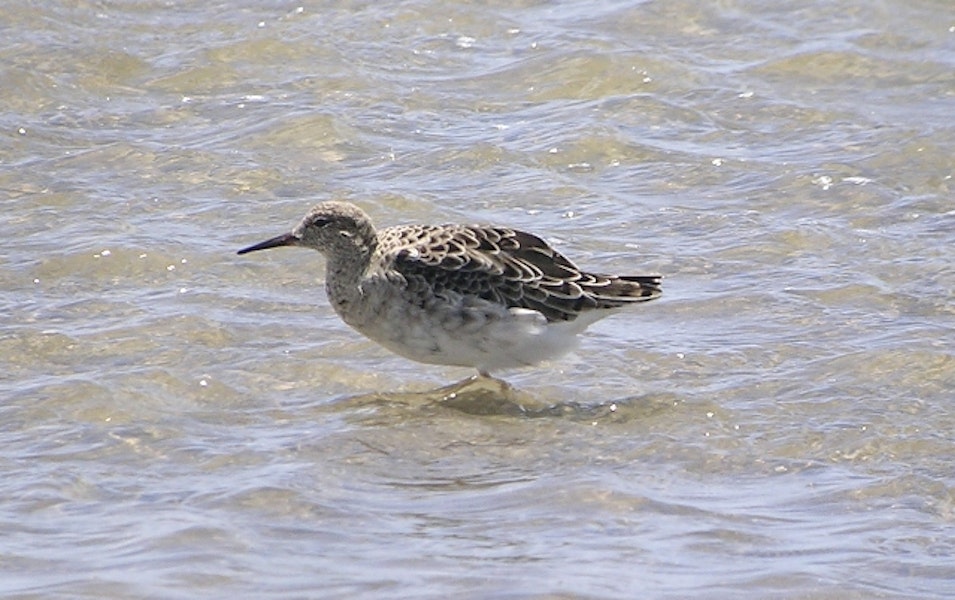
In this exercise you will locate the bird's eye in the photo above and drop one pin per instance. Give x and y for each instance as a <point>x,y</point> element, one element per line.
<point>319,222</point>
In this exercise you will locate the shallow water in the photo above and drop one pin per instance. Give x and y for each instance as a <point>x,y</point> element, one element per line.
<point>181,422</point>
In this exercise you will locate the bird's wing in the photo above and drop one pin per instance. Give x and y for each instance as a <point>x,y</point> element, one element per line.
<point>508,267</point>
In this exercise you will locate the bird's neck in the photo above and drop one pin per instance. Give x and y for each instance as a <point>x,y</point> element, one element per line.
<point>343,277</point>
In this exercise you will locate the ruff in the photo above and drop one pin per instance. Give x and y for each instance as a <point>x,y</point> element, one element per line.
<point>467,295</point>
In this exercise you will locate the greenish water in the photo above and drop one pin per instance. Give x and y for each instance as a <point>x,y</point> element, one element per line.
<point>177,421</point>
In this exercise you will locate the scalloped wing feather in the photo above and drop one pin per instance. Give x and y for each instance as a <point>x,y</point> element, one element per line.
<point>508,267</point>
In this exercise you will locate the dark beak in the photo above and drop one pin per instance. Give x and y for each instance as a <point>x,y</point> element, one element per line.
<point>286,239</point>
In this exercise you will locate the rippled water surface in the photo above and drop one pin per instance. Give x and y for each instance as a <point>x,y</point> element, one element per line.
<point>180,422</point>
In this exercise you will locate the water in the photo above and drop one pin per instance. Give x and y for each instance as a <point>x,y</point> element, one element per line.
<point>181,422</point>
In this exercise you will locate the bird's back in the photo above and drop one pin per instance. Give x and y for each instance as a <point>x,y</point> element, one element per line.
<point>504,266</point>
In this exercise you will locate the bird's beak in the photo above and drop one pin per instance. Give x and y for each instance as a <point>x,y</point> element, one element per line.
<point>286,239</point>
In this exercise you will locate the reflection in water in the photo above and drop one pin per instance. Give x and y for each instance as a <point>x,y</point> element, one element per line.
<point>489,396</point>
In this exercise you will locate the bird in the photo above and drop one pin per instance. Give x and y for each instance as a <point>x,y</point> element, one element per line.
<point>478,296</point>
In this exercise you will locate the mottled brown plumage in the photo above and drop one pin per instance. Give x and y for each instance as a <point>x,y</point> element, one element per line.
<point>469,295</point>
<point>509,267</point>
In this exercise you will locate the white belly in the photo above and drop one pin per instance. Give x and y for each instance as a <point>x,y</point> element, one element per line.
<point>481,335</point>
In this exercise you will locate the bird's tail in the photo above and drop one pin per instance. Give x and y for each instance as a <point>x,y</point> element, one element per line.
<point>614,291</point>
